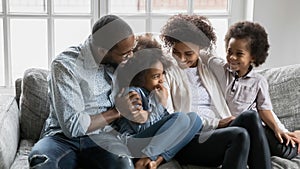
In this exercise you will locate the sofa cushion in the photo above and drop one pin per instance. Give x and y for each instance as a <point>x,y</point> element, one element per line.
<point>34,106</point>
<point>284,88</point>
<point>281,163</point>
<point>21,161</point>
<point>9,130</point>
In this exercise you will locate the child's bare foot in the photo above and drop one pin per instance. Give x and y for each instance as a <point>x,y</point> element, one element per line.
<point>142,163</point>
<point>156,163</point>
<point>152,165</point>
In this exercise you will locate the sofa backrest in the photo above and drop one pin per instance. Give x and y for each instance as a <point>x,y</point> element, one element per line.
<point>34,103</point>
<point>284,88</point>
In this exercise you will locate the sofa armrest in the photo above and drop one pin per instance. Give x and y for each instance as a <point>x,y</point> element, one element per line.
<point>9,130</point>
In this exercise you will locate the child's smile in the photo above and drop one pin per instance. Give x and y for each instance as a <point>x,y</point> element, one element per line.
<point>238,55</point>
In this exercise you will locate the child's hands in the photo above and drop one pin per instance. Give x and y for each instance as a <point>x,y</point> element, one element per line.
<point>279,134</point>
<point>206,54</point>
<point>139,116</point>
<point>296,138</point>
<point>146,163</point>
<point>161,94</point>
<point>156,163</point>
<point>142,163</point>
<point>297,133</point>
<point>288,137</point>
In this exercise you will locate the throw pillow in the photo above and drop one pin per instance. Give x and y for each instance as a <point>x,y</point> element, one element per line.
<point>34,104</point>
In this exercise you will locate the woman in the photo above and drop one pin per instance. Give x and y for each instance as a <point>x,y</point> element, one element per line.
<point>225,139</point>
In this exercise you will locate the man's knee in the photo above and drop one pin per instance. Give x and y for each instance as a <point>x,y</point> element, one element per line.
<point>125,162</point>
<point>117,162</point>
<point>38,160</point>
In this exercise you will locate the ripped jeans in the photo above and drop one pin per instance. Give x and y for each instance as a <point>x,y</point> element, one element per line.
<point>106,151</point>
<point>60,152</point>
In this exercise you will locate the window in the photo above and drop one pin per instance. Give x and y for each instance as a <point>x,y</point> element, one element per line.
<point>72,6</point>
<point>0,6</point>
<point>27,6</point>
<point>2,68</point>
<point>65,29</point>
<point>35,31</point>
<point>28,45</point>
<point>151,15</point>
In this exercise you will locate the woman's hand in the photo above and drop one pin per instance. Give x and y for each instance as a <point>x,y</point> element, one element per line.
<point>225,122</point>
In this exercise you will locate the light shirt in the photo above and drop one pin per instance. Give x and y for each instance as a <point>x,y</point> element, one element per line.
<point>78,87</point>
<point>241,93</point>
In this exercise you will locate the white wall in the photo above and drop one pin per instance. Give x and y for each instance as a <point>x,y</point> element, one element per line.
<point>282,22</point>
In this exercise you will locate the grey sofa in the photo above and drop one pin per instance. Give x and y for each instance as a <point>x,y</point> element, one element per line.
<point>22,115</point>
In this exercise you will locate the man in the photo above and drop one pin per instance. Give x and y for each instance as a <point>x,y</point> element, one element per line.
<point>77,132</point>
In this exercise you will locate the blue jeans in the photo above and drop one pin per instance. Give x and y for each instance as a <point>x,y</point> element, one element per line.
<point>106,151</point>
<point>60,152</point>
<point>166,137</point>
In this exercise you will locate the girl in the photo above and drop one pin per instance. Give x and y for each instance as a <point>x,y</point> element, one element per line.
<point>167,133</point>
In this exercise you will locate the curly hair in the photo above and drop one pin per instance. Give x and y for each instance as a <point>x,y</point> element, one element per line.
<point>132,73</point>
<point>145,41</point>
<point>188,28</point>
<point>257,39</point>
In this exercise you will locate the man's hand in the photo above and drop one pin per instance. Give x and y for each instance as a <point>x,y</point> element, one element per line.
<point>130,106</point>
<point>139,116</point>
<point>225,122</point>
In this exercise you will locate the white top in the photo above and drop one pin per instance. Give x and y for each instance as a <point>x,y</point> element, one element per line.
<point>181,95</point>
<point>200,100</point>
